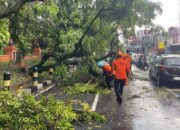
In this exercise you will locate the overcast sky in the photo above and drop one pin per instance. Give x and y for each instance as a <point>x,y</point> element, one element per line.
<point>170,16</point>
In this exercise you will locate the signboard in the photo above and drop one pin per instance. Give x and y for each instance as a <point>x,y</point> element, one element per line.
<point>161,45</point>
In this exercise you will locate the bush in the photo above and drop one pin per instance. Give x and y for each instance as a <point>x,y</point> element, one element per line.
<point>85,114</point>
<point>27,113</point>
<point>24,112</point>
<point>61,71</point>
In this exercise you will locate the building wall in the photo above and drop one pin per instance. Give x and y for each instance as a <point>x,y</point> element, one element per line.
<point>174,35</point>
<point>143,33</point>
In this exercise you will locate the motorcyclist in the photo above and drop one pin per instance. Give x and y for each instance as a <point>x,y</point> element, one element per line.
<point>143,62</point>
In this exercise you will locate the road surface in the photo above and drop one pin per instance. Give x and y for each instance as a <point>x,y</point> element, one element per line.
<point>145,107</point>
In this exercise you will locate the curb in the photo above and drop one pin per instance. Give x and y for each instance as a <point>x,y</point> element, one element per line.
<point>38,88</point>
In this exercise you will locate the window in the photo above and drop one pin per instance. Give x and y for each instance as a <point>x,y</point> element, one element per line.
<point>172,61</point>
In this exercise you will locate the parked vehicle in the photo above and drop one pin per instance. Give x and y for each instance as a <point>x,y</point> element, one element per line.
<point>165,68</point>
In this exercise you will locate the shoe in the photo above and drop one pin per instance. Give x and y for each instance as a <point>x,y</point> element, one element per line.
<point>119,100</point>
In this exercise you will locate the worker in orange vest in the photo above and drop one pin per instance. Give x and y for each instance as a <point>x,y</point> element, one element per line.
<point>127,57</point>
<point>109,75</point>
<point>120,67</point>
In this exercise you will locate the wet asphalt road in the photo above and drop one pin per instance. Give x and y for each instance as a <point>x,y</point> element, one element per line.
<point>145,107</point>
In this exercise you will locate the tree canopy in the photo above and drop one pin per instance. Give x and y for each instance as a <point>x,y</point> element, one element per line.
<point>66,29</point>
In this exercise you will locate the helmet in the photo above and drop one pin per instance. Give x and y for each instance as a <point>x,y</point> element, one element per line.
<point>119,53</point>
<point>107,67</point>
<point>101,63</point>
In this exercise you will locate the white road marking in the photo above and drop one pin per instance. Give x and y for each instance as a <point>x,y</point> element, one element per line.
<point>94,105</point>
<point>44,90</point>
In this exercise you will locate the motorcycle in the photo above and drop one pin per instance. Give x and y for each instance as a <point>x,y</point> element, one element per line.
<point>143,64</point>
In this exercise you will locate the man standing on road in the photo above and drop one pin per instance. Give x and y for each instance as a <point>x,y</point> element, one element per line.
<point>127,57</point>
<point>120,67</point>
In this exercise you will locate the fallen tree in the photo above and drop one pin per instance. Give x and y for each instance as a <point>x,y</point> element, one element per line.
<point>80,29</point>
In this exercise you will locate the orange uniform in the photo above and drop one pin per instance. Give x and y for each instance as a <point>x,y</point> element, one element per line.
<point>128,59</point>
<point>109,75</point>
<point>108,69</point>
<point>120,67</point>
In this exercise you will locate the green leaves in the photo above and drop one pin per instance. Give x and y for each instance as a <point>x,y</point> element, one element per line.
<point>85,114</point>
<point>78,28</point>
<point>48,113</point>
<point>61,71</point>
<point>81,88</point>
<point>27,113</point>
<point>4,33</point>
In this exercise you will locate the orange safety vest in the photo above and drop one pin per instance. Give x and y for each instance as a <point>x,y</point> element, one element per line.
<point>120,67</point>
<point>128,59</point>
<point>108,69</point>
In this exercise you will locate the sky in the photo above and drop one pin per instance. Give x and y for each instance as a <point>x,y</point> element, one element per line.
<point>170,15</point>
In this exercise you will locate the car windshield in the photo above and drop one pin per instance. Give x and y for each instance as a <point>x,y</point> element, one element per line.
<point>172,61</point>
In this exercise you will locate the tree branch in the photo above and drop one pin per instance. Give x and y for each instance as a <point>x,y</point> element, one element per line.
<point>16,8</point>
<point>79,43</point>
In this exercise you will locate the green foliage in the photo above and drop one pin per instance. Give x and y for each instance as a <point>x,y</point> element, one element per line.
<point>85,114</point>
<point>1,52</point>
<point>24,112</point>
<point>47,113</point>
<point>43,76</point>
<point>81,88</point>
<point>24,45</point>
<point>4,33</point>
<point>30,63</point>
<point>16,76</point>
<point>78,28</point>
<point>50,62</point>
<point>68,39</point>
<point>61,71</point>
<point>77,72</point>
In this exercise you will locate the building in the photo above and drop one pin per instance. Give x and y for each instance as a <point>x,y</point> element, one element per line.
<point>143,33</point>
<point>174,35</point>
